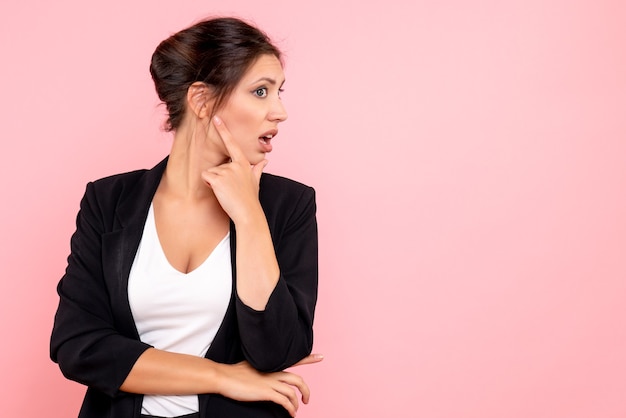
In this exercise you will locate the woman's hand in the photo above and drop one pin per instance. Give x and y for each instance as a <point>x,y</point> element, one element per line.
<point>235,183</point>
<point>242,382</point>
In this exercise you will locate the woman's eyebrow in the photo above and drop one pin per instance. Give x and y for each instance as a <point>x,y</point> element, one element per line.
<point>269,80</point>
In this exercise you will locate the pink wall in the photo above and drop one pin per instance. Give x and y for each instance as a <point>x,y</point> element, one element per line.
<point>470,163</point>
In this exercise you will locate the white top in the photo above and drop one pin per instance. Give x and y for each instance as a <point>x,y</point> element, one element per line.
<point>177,312</point>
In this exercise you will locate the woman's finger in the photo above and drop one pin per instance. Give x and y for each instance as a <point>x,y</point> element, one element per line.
<point>289,393</point>
<point>310,359</point>
<point>258,168</point>
<point>294,380</point>
<point>283,401</point>
<point>234,152</point>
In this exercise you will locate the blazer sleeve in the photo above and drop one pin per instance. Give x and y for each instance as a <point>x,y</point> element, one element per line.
<point>282,334</point>
<point>85,341</point>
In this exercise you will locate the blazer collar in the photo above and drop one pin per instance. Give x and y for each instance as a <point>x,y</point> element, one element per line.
<point>134,206</point>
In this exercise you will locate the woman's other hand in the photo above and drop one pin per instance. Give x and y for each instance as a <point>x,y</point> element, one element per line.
<point>242,382</point>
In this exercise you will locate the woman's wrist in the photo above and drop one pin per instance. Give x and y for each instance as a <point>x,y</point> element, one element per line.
<point>216,378</point>
<point>250,218</point>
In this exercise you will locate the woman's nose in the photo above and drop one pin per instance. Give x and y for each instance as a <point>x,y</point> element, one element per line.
<point>278,112</point>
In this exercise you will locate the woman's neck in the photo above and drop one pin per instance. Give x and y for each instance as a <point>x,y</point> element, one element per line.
<point>190,155</point>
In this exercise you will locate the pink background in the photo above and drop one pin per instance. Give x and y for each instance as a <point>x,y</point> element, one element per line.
<point>469,158</point>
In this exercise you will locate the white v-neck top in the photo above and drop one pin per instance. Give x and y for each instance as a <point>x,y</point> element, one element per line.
<point>175,311</point>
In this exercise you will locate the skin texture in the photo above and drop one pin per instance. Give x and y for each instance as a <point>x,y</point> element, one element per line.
<point>212,177</point>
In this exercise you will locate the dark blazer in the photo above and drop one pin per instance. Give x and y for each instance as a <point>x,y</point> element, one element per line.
<point>94,339</point>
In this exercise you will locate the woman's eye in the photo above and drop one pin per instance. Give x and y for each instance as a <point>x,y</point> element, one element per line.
<point>260,92</point>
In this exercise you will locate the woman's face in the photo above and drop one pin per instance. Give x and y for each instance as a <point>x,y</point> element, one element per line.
<point>254,109</point>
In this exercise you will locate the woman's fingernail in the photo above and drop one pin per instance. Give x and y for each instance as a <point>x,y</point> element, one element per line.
<point>217,120</point>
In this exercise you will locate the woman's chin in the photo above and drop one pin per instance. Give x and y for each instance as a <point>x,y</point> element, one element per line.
<point>255,159</point>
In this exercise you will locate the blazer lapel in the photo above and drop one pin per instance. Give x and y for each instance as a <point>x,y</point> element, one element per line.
<point>225,347</point>
<point>119,246</point>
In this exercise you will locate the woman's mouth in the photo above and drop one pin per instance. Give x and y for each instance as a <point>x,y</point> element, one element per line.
<point>266,145</point>
<point>266,139</point>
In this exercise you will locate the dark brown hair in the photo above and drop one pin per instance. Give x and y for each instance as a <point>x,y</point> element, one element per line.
<point>216,52</point>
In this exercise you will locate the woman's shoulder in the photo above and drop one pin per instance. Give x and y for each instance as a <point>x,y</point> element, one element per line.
<point>115,186</point>
<point>283,184</point>
<point>273,187</point>
<point>127,182</point>
<point>280,195</point>
<point>129,177</point>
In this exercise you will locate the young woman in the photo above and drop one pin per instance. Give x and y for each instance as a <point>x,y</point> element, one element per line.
<point>190,287</point>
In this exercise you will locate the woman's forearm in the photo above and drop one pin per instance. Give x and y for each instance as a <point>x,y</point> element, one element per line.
<point>257,268</point>
<point>159,372</point>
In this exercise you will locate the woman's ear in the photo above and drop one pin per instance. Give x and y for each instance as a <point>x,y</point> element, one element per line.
<point>200,99</point>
